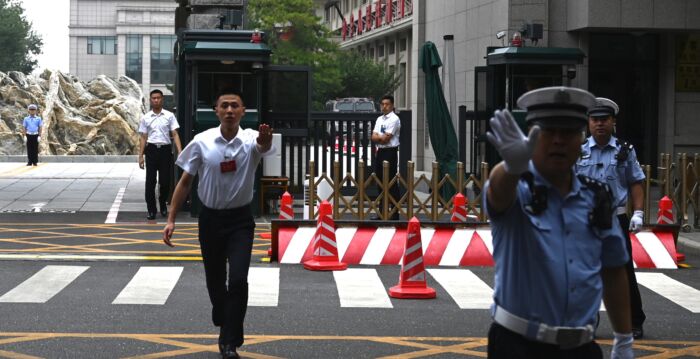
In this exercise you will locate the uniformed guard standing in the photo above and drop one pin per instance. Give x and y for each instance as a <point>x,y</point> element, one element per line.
<point>31,129</point>
<point>385,135</point>
<point>609,160</point>
<point>556,246</point>
<point>225,158</point>
<point>155,129</point>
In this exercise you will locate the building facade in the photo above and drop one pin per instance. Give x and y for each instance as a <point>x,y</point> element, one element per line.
<point>124,38</point>
<point>644,54</point>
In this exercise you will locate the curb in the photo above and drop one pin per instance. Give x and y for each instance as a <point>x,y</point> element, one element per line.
<point>688,245</point>
<point>73,158</point>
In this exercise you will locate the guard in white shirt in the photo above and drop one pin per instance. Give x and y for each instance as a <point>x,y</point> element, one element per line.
<point>155,128</point>
<point>225,158</point>
<point>386,137</point>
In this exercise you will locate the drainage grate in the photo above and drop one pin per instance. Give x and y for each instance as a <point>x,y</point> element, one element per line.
<point>55,210</point>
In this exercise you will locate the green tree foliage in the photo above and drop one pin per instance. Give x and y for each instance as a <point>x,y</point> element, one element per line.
<point>297,37</point>
<point>362,77</point>
<point>19,43</point>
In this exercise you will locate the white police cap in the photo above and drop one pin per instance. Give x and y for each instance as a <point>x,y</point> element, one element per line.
<point>604,107</point>
<point>31,107</point>
<point>558,106</point>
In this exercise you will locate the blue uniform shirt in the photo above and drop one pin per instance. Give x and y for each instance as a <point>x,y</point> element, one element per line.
<point>32,124</point>
<point>601,163</point>
<point>548,265</point>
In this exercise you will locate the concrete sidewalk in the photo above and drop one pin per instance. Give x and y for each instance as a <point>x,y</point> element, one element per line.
<point>57,185</point>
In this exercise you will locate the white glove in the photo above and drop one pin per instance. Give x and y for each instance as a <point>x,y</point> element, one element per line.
<point>510,142</point>
<point>636,221</point>
<point>622,346</point>
<point>24,139</point>
<point>38,138</point>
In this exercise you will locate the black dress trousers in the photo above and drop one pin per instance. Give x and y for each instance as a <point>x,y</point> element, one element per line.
<point>158,162</point>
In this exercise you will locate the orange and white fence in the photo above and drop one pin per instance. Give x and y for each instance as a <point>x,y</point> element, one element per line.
<point>652,248</point>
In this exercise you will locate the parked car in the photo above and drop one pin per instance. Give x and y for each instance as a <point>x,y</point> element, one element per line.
<point>351,104</point>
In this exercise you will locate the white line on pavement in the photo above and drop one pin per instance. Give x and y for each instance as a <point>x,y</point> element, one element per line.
<point>150,285</point>
<point>112,215</point>
<point>361,288</point>
<point>43,285</point>
<point>264,287</point>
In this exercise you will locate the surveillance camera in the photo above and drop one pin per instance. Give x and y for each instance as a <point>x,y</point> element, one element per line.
<point>571,73</point>
<point>500,34</point>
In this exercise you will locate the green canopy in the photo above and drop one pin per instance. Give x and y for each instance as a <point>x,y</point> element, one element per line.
<point>442,132</point>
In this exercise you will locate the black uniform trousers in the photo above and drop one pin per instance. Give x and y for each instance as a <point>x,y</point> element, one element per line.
<point>638,315</point>
<point>226,236</point>
<point>391,155</point>
<point>32,149</point>
<point>158,161</point>
<point>505,344</point>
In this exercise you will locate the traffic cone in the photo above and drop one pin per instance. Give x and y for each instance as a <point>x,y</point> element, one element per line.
<point>459,209</point>
<point>286,211</point>
<point>665,216</point>
<point>325,255</point>
<point>412,282</point>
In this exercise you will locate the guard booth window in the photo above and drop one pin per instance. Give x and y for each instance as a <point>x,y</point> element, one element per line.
<point>210,83</point>
<point>528,78</point>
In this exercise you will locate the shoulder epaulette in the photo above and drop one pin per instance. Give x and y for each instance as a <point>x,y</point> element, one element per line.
<point>624,151</point>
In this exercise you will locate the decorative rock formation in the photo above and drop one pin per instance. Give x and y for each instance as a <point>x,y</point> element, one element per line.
<point>100,117</point>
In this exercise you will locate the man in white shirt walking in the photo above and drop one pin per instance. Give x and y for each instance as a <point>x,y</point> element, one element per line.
<point>225,159</point>
<point>156,128</point>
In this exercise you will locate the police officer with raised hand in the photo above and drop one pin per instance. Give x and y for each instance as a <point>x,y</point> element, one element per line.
<point>225,158</point>
<point>607,159</point>
<point>556,246</point>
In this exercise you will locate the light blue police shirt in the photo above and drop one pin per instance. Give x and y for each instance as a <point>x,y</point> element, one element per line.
<point>548,265</point>
<point>600,163</point>
<point>32,124</point>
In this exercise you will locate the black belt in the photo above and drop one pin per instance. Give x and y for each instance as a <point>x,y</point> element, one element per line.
<point>228,211</point>
<point>386,148</point>
<point>158,145</point>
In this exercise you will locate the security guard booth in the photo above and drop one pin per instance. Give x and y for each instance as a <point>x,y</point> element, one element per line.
<point>509,73</point>
<point>209,61</point>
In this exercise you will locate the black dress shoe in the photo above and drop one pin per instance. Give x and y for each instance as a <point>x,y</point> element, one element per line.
<point>151,216</point>
<point>164,212</point>
<point>229,352</point>
<point>637,332</point>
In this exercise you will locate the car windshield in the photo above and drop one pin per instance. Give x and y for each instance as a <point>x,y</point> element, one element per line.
<point>364,106</point>
<point>344,106</point>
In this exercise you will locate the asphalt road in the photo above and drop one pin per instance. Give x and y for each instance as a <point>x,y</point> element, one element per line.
<point>306,315</point>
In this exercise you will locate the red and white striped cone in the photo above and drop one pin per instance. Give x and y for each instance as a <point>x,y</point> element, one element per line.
<point>412,281</point>
<point>459,209</point>
<point>286,211</point>
<point>665,216</point>
<point>325,255</point>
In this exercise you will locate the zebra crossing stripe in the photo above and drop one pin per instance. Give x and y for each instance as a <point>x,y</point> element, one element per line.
<point>677,292</point>
<point>361,288</point>
<point>150,285</point>
<point>44,284</point>
<point>465,288</point>
<point>263,287</point>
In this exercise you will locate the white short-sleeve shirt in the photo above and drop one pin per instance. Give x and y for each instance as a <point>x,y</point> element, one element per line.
<point>158,126</point>
<point>205,153</point>
<point>391,124</point>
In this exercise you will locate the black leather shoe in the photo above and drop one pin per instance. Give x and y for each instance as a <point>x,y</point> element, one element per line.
<point>637,332</point>
<point>151,216</point>
<point>229,351</point>
<point>164,212</point>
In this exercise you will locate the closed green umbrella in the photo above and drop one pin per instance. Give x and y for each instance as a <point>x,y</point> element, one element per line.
<point>442,132</point>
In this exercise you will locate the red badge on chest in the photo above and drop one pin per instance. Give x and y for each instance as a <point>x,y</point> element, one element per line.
<point>229,166</point>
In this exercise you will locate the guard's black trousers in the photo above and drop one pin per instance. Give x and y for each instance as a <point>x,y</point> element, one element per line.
<point>390,155</point>
<point>505,344</point>
<point>32,149</point>
<point>638,315</point>
<point>226,236</point>
<point>158,161</point>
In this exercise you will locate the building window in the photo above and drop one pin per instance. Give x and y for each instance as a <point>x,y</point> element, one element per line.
<point>380,51</point>
<point>101,45</point>
<point>402,44</point>
<point>134,57</point>
<point>162,65</point>
<point>392,48</point>
<point>371,52</point>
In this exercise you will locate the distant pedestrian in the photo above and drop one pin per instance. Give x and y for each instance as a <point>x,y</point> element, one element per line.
<point>606,158</point>
<point>156,128</point>
<point>557,245</point>
<point>31,129</point>
<point>225,159</point>
<point>385,135</point>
